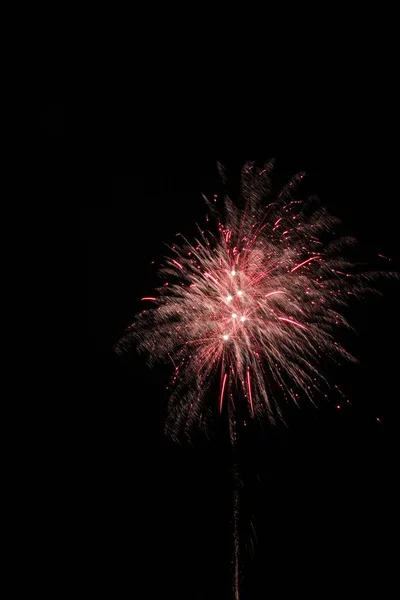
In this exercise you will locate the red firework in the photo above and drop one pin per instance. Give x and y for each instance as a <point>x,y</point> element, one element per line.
<point>257,302</point>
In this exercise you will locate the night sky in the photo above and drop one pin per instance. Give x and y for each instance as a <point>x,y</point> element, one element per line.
<point>321,492</point>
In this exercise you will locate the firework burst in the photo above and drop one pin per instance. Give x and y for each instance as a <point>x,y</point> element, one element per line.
<point>255,305</point>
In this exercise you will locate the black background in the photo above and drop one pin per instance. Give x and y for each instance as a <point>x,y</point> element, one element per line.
<point>155,517</point>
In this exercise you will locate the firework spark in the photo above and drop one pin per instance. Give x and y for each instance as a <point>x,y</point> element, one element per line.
<point>257,303</point>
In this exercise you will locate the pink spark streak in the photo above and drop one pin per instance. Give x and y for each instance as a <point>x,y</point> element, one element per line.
<point>250,394</point>
<point>222,392</point>
<point>177,264</point>
<point>303,263</point>
<point>293,322</point>
<point>211,277</point>
<point>273,294</point>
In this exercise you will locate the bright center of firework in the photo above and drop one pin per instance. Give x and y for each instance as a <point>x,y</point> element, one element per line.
<point>234,315</point>
<point>242,319</point>
<point>240,293</point>
<point>225,337</point>
<point>229,298</point>
<point>233,273</point>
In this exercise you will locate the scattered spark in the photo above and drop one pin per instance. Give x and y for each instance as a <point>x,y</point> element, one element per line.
<point>211,277</point>
<point>303,263</point>
<point>273,294</point>
<point>222,391</point>
<point>385,257</point>
<point>177,264</point>
<point>249,390</point>
<point>293,322</point>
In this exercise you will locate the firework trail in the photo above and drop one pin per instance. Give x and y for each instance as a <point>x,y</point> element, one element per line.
<point>257,305</point>
<point>236,567</point>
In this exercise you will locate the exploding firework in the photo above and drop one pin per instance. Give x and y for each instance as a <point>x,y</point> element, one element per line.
<point>248,313</point>
<point>254,306</point>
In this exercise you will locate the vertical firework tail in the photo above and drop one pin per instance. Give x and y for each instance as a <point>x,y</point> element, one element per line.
<point>235,481</point>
